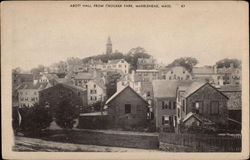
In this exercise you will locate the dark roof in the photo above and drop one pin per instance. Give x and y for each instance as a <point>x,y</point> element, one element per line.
<point>84,75</point>
<point>31,85</point>
<point>194,86</point>
<point>230,88</point>
<point>167,88</point>
<point>25,77</point>
<point>120,91</point>
<point>203,70</point>
<point>69,86</point>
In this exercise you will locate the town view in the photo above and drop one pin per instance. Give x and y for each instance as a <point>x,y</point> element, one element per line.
<point>128,102</point>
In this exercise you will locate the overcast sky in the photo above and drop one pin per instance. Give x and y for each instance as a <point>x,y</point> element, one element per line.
<point>45,33</point>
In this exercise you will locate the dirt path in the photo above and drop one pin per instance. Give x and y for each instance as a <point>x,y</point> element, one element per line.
<point>38,145</point>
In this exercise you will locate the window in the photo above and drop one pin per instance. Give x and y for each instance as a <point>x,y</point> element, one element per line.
<point>187,77</point>
<point>170,78</point>
<point>94,86</point>
<point>127,108</point>
<point>166,104</point>
<point>165,120</point>
<point>179,112</point>
<point>148,94</point>
<point>172,72</point>
<point>214,107</point>
<point>184,72</point>
<point>162,104</point>
<point>199,107</point>
<point>183,105</point>
<point>120,66</point>
<point>174,105</point>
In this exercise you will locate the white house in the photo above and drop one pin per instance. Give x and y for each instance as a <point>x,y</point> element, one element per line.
<point>177,73</point>
<point>118,64</point>
<point>28,93</point>
<point>96,91</point>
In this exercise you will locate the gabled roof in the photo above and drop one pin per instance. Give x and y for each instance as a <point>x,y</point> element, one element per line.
<point>167,88</point>
<point>203,70</point>
<point>120,91</point>
<point>24,77</point>
<point>230,88</point>
<point>115,61</point>
<point>84,75</point>
<point>195,86</point>
<point>69,86</point>
<point>191,114</point>
<point>30,85</point>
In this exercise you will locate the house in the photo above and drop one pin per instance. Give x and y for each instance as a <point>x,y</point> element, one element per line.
<point>131,80</point>
<point>204,100</point>
<point>53,95</point>
<point>96,91</point>
<point>117,64</point>
<point>81,79</point>
<point>231,75</point>
<point>147,75</point>
<point>234,104</point>
<point>177,73</point>
<point>127,108</point>
<point>28,93</point>
<point>164,96</point>
<point>209,74</point>
<point>146,63</point>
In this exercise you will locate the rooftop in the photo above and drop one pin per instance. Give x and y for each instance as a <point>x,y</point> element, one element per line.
<point>31,85</point>
<point>167,88</point>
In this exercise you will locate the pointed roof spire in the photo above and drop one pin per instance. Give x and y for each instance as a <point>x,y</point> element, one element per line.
<point>109,40</point>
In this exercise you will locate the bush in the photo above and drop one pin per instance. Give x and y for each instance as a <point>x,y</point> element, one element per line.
<point>66,113</point>
<point>34,119</point>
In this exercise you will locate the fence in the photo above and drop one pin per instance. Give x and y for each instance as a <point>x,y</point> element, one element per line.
<point>202,142</point>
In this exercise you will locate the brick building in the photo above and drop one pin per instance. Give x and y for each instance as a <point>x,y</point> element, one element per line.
<point>127,108</point>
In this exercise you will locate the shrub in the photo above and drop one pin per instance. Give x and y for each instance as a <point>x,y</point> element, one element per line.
<point>66,113</point>
<point>34,119</point>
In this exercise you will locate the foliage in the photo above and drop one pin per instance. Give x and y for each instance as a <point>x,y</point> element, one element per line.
<point>227,62</point>
<point>37,70</point>
<point>34,119</point>
<point>131,57</point>
<point>112,78</point>
<point>66,113</point>
<point>16,70</point>
<point>187,62</point>
<point>97,106</point>
<point>134,54</point>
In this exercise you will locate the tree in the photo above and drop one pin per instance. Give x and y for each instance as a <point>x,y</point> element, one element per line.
<point>34,119</point>
<point>133,55</point>
<point>16,70</point>
<point>37,70</point>
<point>112,78</point>
<point>187,62</point>
<point>66,113</point>
<point>227,62</point>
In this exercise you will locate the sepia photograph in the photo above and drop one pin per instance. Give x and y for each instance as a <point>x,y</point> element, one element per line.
<point>124,76</point>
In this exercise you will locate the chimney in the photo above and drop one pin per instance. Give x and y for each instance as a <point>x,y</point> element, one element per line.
<point>35,81</point>
<point>215,69</point>
<point>231,65</point>
<point>133,76</point>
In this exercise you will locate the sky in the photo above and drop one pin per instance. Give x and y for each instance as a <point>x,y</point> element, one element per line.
<point>45,32</point>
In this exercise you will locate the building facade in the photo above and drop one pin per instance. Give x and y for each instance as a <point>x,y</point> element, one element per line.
<point>177,73</point>
<point>129,111</point>
<point>204,100</point>
<point>28,93</point>
<point>96,91</point>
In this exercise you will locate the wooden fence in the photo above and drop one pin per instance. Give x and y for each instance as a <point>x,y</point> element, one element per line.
<point>202,142</point>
